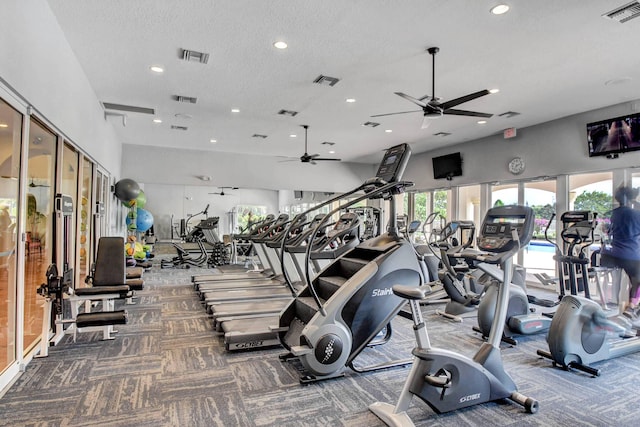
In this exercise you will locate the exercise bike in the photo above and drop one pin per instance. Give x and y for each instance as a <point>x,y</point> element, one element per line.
<point>448,381</point>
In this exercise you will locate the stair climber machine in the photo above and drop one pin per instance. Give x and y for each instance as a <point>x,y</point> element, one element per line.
<point>445,380</point>
<point>350,302</point>
<point>249,331</point>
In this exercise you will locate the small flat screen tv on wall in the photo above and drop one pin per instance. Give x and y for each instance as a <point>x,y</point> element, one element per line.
<point>612,136</point>
<point>447,166</point>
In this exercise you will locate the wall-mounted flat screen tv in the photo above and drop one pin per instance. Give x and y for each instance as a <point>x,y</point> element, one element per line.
<point>447,166</point>
<point>613,136</point>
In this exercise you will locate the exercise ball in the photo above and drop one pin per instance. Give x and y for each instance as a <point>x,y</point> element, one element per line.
<point>141,200</point>
<point>144,220</point>
<point>126,190</point>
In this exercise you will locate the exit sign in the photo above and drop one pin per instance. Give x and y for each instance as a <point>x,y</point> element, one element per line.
<point>509,133</point>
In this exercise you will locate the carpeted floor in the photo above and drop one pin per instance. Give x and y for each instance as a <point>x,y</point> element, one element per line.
<point>167,368</point>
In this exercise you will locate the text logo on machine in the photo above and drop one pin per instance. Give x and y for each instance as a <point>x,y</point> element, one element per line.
<point>470,397</point>
<point>381,292</point>
<point>329,349</point>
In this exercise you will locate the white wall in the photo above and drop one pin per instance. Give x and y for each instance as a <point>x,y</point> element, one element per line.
<point>175,166</point>
<point>550,149</point>
<point>165,200</point>
<point>37,62</point>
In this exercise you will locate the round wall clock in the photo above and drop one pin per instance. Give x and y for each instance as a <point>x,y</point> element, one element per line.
<point>516,165</point>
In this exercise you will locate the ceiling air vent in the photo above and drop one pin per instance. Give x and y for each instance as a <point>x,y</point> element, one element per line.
<point>194,56</point>
<point>257,135</point>
<point>624,13</point>
<point>288,113</point>
<point>326,80</point>
<point>176,127</point>
<point>371,124</point>
<point>509,114</point>
<point>328,143</point>
<point>128,108</point>
<point>442,134</point>
<point>185,99</point>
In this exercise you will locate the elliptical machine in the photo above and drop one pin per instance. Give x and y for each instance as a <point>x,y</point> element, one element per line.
<point>448,381</point>
<point>460,282</point>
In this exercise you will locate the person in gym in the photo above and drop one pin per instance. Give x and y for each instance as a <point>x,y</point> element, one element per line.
<point>624,251</point>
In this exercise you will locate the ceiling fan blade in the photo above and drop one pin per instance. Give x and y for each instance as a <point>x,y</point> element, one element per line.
<point>456,112</point>
<point>400,112</point>
<point>463,99</point>
<point>425,98</point>
<point>292,159</point>
<point>411,98</point>
<point>312,156</point>
<point>426,122</point>
<point>324,158</point>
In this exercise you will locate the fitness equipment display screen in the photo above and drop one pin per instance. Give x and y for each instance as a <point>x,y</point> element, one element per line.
<point>394,163</point>
<point>505,228</point>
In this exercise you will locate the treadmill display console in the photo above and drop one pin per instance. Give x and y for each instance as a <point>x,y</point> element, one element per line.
<point>394,163</point>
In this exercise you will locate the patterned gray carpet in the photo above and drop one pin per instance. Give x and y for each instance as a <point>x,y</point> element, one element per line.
<point>167,368</point>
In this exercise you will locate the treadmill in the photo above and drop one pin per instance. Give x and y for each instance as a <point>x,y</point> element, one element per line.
<point>261,233</point>
<point>246,330</point>
<point>348,225</point>
<point>344,235</point>
<point>272,244</point>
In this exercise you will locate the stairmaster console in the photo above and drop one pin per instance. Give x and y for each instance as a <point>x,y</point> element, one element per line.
<point>394,163</point>
<point>506,228</point>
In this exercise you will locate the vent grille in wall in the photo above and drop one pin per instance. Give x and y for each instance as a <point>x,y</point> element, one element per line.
<point>128,108</point>
<point>624,13</point>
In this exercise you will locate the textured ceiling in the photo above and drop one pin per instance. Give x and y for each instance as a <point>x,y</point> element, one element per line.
<point>549,59</point>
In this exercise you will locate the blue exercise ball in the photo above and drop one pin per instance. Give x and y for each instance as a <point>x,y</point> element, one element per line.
<point>126,190</point>
<point>144,220</point>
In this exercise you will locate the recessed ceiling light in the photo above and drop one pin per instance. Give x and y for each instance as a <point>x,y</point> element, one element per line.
<point>494,90</point>
<point>500,9</point>
<point>332,152</point>
<point>235,110</point>
<point>482,122</point>
<point>213,141</point>
<point>157,121</point>
<point>280,45</point>
<point>350,100</point>
<point>156,69</point>
<point>4,125</point>
<point>388,130</point>
<point>293,135</point>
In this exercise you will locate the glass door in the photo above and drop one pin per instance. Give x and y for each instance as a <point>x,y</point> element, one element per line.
<point>41,160</point>
<point>10,147</point>
<point>538,255</point>
<point>69,187</point>
<point>84,230</point>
